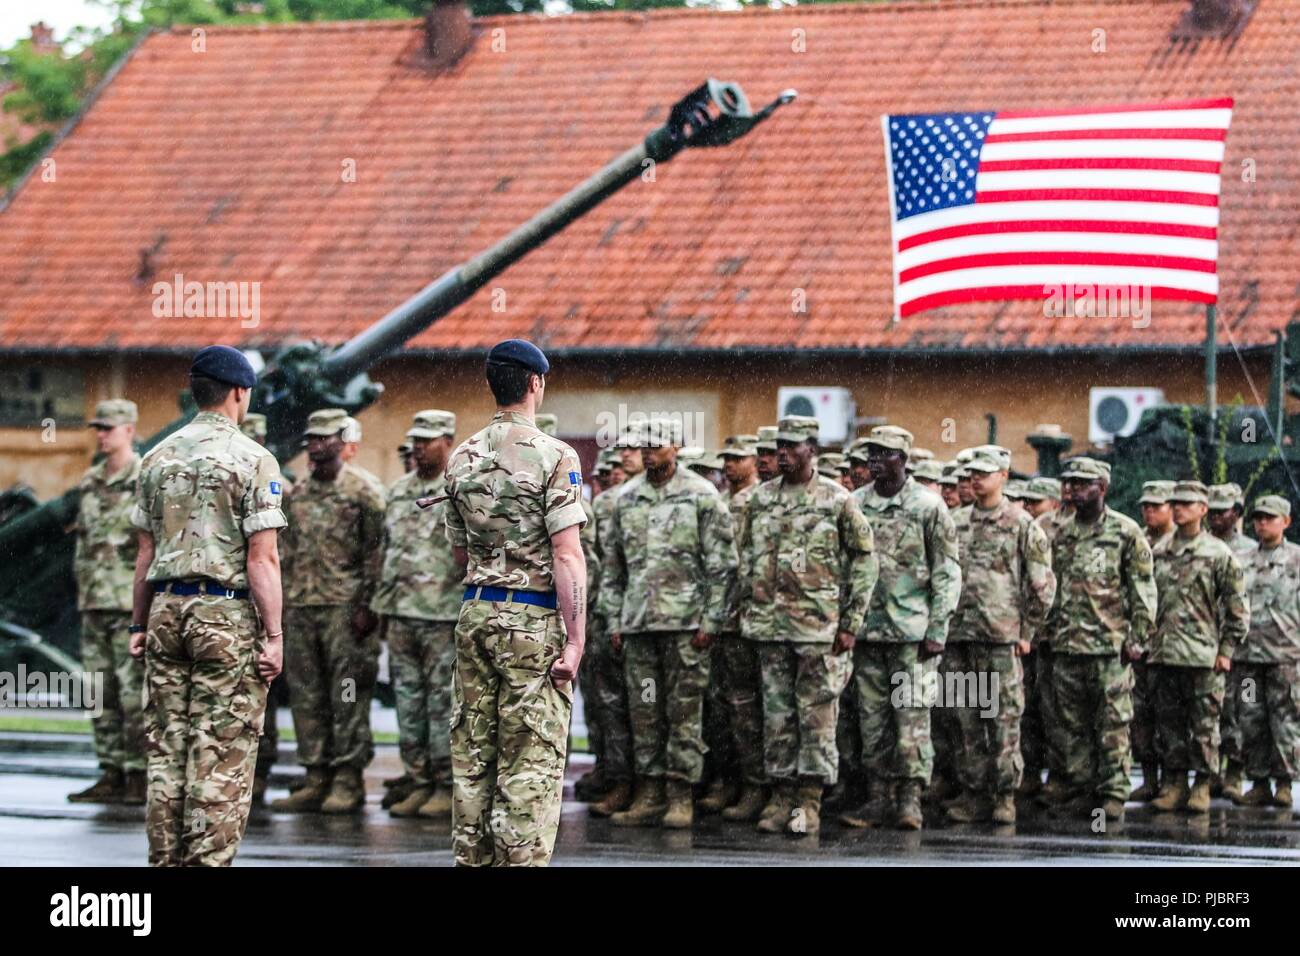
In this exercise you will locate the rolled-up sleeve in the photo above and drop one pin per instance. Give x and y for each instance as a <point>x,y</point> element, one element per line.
<point>564,496</point>
<point>262,499</point>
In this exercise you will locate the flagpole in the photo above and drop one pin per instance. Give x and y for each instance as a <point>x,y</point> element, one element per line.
<point>1211,368</point>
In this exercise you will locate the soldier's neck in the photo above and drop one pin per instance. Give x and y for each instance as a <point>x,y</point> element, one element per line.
<point>118,460</point>
<point>661,476</point>
<point>739,486</point>
<point>1189,530</point>
<point>327,470</point>
<point>525,409</point>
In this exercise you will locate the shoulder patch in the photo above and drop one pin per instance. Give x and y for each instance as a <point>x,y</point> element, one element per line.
<point>575,478</point>
<point>275,487</point>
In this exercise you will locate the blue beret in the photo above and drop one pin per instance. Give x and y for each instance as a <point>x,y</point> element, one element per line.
<point>224,364</point>
<point>521,353</point>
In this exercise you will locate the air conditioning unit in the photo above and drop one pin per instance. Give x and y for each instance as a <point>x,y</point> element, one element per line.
<point>832,407</point>
<point>1115,412</point>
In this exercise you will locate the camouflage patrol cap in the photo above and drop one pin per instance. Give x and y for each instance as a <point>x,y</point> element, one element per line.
<point>997,452</point>
<point>660,433</point>
<point>1015,489</point>
<point>985,461</point>
<point>707,461</point>
<point>739,446</point>
<point>351,430</point>
<point>1086,469</point>
<point>1156,492</point>
<point>114,412</point>
<point>603,467</point>
<point>690,453</point>
<point>405,448</point>
<point>432,423</point>
<point>1189,492</point>
<point>610,457</point>
<point>920,454</point>
<point>951,471</point>
<point>1040,489</point>
<point>326,421</point>
<point>766,439</point>
<point>857,451</point>
<point>798,428</point>
<point>1223,497</point>
<point>929,470</point>
<point>1271,505</point>
<point>829,464</point>
<point>546,423</point>
<point>891,436</point>
<point>630,437</point>
<point>254,425</point>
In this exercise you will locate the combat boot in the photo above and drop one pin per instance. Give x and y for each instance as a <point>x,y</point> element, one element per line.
<point>969,808</point>
<point>411,803</point>
<point>1004,808</point>
<point>874,812</point>
<point>1198,801</point>
<point>908,814</point>
<point>806,816</point>
<point>722,794</point>
<point>1232,781</point>
<point>1173,792</point>
<point>616,799</point>
<point>1282,798</point>
<point>397,793</point>
<point>1056,791</point>
<point>777,812</point>
<point>438,805</point>
<point>1150,784</point>
<point>648,806</point>
<point>591,786</point>
<point>748,806</point>
<point>347,792</point>
<point>136,788</point>
<point>681,806</point>
<point>1260,794</point>
<point>109,788</point>
<point>308,797</point>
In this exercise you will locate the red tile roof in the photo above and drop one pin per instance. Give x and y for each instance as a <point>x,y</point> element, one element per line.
<point>230,161</point>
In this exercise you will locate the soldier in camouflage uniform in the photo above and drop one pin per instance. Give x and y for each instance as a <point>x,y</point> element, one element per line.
<point>1269,660</point>
<point>207,511</point>
<point>734,719</point>
<point>948,485</point>
<point>808,570</point>
<point>1007,589</point>
<point>516,519</point>
<point>1203,616</point>
<point>1042,497</point>
<point>1052,750</point>
<point>419,597</point>
<point>765,453</point>
<point>927,475</point>
<point>1158,519</point>
<point>332,553</point>
<point>664,587</point>
<point>904,633</point>
<point>1105,608</point>
<point>1227,505</point>
<point>104,566</point>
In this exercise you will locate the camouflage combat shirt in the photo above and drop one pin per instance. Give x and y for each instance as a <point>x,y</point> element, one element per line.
<point>1202,602</point>
<point>1273,586</point>
<point>511,488</point>
<point>808,562</point>
<point>104,564</point>
<point>334,543</point>
<point>736,504</point>
<point>419,577</point>
<point>202,492</point>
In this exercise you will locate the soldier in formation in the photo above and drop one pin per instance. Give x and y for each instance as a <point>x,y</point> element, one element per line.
<point>1158,521</point>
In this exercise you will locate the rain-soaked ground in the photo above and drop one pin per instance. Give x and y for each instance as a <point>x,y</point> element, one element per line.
<point>39,827</point>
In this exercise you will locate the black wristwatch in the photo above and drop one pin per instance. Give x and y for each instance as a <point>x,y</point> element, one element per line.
<point>136,629</point>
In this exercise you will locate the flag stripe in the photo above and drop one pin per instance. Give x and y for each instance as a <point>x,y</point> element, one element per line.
<point>1055,258</point>
<point>1110,195</point>
<point>1141,119</point>
<point>1004,292</point>
<point>1132,212</point>
<point>1075,149</point>
<point>1095,242</point>
<point>1212,104</point>
<point>1050,275</point>
<point>1058,225</point>
<point>1213,135</point>
<point>1141,179</point>
<point>1101,162</point>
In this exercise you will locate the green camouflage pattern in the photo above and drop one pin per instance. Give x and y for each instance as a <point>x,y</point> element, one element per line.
<point>511,488</point>
<point>104,563</point>
<point>1273,587</point>
<point>1105,586</point>
<point>667,679</point>
<point>808,562</point>
<point>1006,572</point>
<point>205,710</point>
<point>671,557</point>
<point>895,740</point>
<point>422,662</point>
<point>419,577</point>
<point>1242,547</point>
<point>1094,705</point>
<point>202,492</point>
<point>737,504</point>
<point>119,729</point>
<point>741,691</point>
<point>801,686</point>
<point>509,732</point>
<point>334,546</point>
<point>332,678</point>
<point>989,759</point>
<point>1189,706</point>
<point>606,683</point>
<point>1203,611</point>
<point>1270,719</point>
<point>920,576</point>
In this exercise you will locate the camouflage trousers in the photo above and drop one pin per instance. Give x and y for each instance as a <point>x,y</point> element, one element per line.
<point>667,679</point>
<point>1040,727</point>
<point>1230,737</point>
<point>989,759</point>
<point>119,728</point>
<point>801,684</point>
<point>895,728</point>
<point>945,728</point>
<point>509,734</point>
<point>604,689</point>
<point>1269,710</point>
<point>1189,704</point>
<point>1094,702</point>
<point>743,690</point>
<point>331,681</point>
<point>1143,728</point>
<point>421,659</point>
<point>720,759</point>
<point>204,714</point>
<point>848,740</point>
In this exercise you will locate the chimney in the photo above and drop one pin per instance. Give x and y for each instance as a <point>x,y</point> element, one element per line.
<point>448,33</point>
<point>1214,18</point>
<point>43,38</point>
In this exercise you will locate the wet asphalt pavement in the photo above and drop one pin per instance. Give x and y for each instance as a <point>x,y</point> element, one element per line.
<point>39,827</point>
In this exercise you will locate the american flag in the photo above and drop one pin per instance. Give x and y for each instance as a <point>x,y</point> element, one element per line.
<point>1005,205</point>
